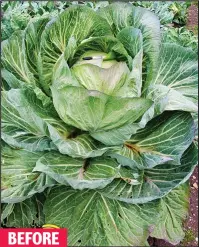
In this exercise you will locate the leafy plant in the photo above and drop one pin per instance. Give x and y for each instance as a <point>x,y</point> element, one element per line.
<point>16,15</point>
<point>161,9</point>
<point>189,236</point>
<point>181,36</point>
<point>110,149</point>
<point>14,18</point>
<point>180,12</point>
<point>167,11</point>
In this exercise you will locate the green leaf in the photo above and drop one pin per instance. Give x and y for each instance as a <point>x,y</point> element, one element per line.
<point>15,61</point>
<point>128,36</point>
<point>27,189</point>
<point>136,75</point>
<point>39,204</point>
<point>33,33</point>
<point>20,214</point>
<point>18,181</point>
<point>6,210</point>
<point>161,9</point>
<point>62,75</point>
<point>28,213</point>
<point>82,146</point>
<point>71,48</point>
<point>151,183</point>
<point>12,80</point>
<point>25,121</point>
<point>78,173</point>
<point>110,80</point>
<point>173,211</point>
<point>122,15</point>
<point>118,136</point>
<point>15,83</point>
<point>106,44</point>
<point>95,220</point>
<point>78,22</point>
<point>20,126</point>
<point>115,80</point>
<point>175,100</point>
<point>178,70</point>
<point>94,110</point>
<point>23,214</point>
<point>164,138</point>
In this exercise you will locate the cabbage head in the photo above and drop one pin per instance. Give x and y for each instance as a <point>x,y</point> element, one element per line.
<point>97,127</point>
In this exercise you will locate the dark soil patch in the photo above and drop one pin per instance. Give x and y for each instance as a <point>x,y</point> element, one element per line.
<point>192,21</point>
<point>192,16</point>
<point>191,225</point>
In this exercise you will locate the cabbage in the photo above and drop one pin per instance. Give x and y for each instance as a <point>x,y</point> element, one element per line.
<point>97,127</point>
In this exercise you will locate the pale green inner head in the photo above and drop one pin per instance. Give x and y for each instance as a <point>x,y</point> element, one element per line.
<point>100,59</point>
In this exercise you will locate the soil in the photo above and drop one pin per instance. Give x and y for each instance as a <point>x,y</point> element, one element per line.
<point>192,222</point>
<point>192,21</point>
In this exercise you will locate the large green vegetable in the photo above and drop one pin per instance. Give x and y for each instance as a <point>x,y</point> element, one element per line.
<point>97,127</point>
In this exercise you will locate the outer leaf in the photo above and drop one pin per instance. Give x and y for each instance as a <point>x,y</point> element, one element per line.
<point>39,203</point>
<point>28,213</point>
<point>33,34</point>
<point>153,183</point>
<point>94,111</point>
<point>119,135</point>
<point>160,100</point>
<point>129,36</point>
<point>95,220</point>
<point>18,181</point>
<point>178,70</point>
<point>164,138</point>
<point>79,174</point>
<point>121,15</point>
<point>132,40</point>
<point>174,209</point>
<point>12,80</point>
<point>82,146</point>
<point>15,61</point>
<point>6,210</point>
<point>21,214</point>
<point>20,126</point>
<point>175,100</point>
<point>24,121</point>
<point>27,189</point>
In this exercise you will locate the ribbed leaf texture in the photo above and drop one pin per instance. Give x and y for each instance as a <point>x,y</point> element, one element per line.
<point>97,127</point>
